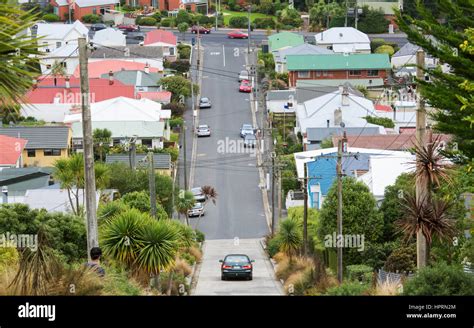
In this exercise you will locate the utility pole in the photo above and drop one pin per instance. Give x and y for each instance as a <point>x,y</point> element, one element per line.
<point>273,193</point>
<point>151,184</point>
<point>279,193</point>
<point>305,210</point>
<point>345,20</point>
<point>199,45</point>
<point>133,153</point>
<point>339,209</point>
<point>356,14</point>
<point>248,38</point>
<point>89,185</point>
<point>421,188</point>
<point>184,156</point>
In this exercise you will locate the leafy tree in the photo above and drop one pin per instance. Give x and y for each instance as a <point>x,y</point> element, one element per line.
<point>102,139</point>
<point>445,91</point>
<point>359,213</point>
<point>183,17</point>
<point>266,7</point>
<point>139,200</point>
<point>402,259</point>
<point>290,237</point>
<point>372,21</point>
<point>385,49</point>
<point>183,27</point>
<point>178,86</point>
<point>184,202</point>
<point>440,280</point>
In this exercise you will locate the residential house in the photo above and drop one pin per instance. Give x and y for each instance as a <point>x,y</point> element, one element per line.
<point>67,56</point>
<point>54,199</point>
<point>333,109</point>
<point>54,36</point>
<point>141,80</point>
<point>16,182</point>
<point>369,70</point>
<point>46,144</point>
<point>98,68</point>
<point>109,37</point>
<point>322,172</point>
<point>315,136</point>
<point>153,56</point>
<point>11,150</point>
<point>279,56</point>
<point>52,98</point>
<point>168,5</point>
<point>148,133</point>
<point>406,55</point>
<point>344,40</point>
<point>161,162</point>
<point>80,8</point>
<point>284,40</point>
<point>388,8</point>
<point>165,39</point>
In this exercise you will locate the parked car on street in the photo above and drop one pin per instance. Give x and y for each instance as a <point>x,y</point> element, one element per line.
<point>198,195</point>
<point>203,131</point>
<point>201,29</point>
<point>236,266</point>
<point>246,129</point>
<point>98,27</point>
<point>196,210</point>
<point>204,102</point>
<point>244,75</point>
<point>250,140</point>
<point>245,86</point>
<point>237,35</point>
<point>129,27</point>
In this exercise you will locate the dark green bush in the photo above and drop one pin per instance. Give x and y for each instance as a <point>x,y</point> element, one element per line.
<point>359,272</point>
<point>91,19</point>
<point>51,18</point>
<point>147,21</point>
<point>168,22</point>
<point>383,121</point>
<point>238,22</point>
<point>402,259</point>
<point>200,237</point>
<point>264,23</point>
<point>348,289</point>
<point>273,246</point>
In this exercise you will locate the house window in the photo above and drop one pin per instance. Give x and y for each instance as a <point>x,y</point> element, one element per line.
<point>52,152</point>
<point>303,74</point>
<point>48,66</point>
<point>372,72</point>
<point>31,152</point>
<point>58,44</point>
<point>171,51</point>
<point>318,73</point>
<point>355,72</point>
<point>325,73</point>
<point>116,142</point>
<point>147,142</point>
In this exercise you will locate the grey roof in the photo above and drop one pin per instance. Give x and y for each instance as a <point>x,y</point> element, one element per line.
<point>408,49</point>
<point>306,93</point>
<point>136,78</point>
<point>302,49</point>
<point>13,175</point>
<point>40,137</point>
<point>160,161</point>
<point>135,51</point>
<point>276,95</point>
<point>319,134</point>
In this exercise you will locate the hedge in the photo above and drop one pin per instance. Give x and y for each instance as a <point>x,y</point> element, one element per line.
<point>383,121</point>
<point>91,18</point>
<point>264,23</point>
<point>147,21</point>
<point>168,22</point>
<point>238,22</point>
<point>51,18</point>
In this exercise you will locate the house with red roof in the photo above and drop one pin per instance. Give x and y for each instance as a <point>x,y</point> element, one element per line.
<point>169,5</point>
<point>163,97</point>
<point>52,98</point>
<point>98,68</point>
<point>165,39</point>
<point>11,150</point>
<point>80,8</point>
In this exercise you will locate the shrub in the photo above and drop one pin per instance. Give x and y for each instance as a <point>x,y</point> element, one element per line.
<point>385,49</point>
<point>174,122</point>
<point>402,259</point>
<point>183,17</point>
<point>109,210</point>
<point>348,289</point>
<point>200,237</point>
<point>383,121</point>
<point>157,15</point>
<point>196,252</point>
<point>91,18</point>
<point>182,267</point>
<point>359,272</point>
<point>377,42</point>
<point>168,22</point>
<point>180,65</point>
<point>51,18</point>
<point>139,200</point>
<point>117,282</point>
<point>188,258</point>
<point>238,22</point>
<point>273,246</point>
<point>8,256</point>
<point>147,21</point>
<point>264,22</point>
<point>184,51</point>
<point>298,282</point>
<point>440,280</point>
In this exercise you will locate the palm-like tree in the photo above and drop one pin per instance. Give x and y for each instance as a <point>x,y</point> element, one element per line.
<point>18,53</point>
<point>184,202</point>
<point>102,139</point>
<point>290,237</point>
<point>210,194</point>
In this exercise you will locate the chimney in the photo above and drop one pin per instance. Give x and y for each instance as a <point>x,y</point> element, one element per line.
<point>345,96</point>
<point>111,77</point>
<point>327,123</point>
<point>147,68</point>
<point>68,85</point>
<point>35,84</point>
<point>337,117</point>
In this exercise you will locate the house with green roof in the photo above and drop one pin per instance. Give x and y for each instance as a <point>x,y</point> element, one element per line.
<point>284,40</point>
<point>368,70</point>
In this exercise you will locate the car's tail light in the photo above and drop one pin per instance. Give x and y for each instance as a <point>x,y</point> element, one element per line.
<point>226,267</point>
<point>247,267</point>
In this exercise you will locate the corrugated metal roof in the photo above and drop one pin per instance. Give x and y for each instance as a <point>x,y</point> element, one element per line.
<point>135,51</point>
<point>40,137</point>
<point>160,161</point>
<point>284,39</point>
<point>337,62</point>
<point>318,134</point>
<point>122,129</point>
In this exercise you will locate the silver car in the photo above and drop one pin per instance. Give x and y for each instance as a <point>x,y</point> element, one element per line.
<point>246,129</point>
<point>197,210</point>
<point>250,140</point>
<point>244,75</point>
<point>204,102</point>
<point>203,131</point>
<point>198,195</point>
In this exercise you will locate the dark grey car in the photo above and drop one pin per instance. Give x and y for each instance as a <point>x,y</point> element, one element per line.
<point>236,266</point>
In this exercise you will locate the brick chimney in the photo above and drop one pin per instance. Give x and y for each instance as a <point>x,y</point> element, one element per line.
<point>147,68</point>
<point>111,77</point>
<point>68,85</point>
<point>337,117</point>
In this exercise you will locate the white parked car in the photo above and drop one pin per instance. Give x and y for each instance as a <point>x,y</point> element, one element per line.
<point>204,102</point>
<point>246,129</point>
<point>244,75</point>
<point>203,131</point>
<point>197,210</point>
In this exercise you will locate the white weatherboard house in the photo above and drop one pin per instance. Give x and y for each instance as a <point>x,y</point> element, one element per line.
<point>332,109</point>
<point>67,56</point>
<point>54,36</point>
<point>344,40</point>
<point>109,37</point>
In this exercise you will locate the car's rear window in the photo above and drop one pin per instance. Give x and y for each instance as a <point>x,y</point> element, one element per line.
<point>236,259</point>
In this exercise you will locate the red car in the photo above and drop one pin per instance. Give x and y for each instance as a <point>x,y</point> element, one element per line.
<point>128,28</point>
<point>237,35</point>
<point>202,30</point>
<point>245,86</point>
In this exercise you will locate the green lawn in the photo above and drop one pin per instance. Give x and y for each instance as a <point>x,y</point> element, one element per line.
<point>228,14</point>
